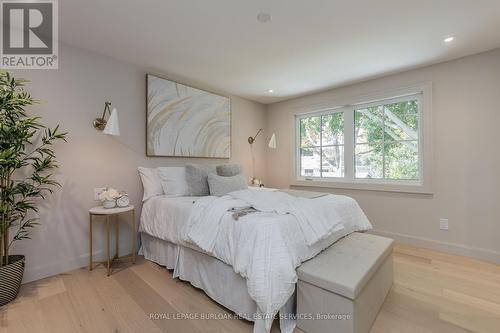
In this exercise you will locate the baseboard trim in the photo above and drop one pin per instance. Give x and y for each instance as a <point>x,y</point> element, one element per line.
<point>62,266</point>
<point>54,268</point>
<point>453,248</point>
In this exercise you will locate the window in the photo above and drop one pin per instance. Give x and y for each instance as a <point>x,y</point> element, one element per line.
<point>386,141</point>
<point>322,145</point>
<point>375,143</point>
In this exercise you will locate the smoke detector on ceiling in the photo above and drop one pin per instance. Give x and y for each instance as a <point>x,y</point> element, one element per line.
<point>263,17</point>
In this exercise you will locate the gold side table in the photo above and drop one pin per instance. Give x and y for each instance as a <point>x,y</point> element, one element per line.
<point>107,213</point>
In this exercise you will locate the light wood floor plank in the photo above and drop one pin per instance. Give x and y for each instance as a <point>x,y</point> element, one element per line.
<point>92,316</point>
<point>56,307</point>
<point>151,302</point>
<point>184,298</point>
<point>129,315</point>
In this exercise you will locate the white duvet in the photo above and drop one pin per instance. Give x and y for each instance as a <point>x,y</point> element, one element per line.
<point>267,246</point>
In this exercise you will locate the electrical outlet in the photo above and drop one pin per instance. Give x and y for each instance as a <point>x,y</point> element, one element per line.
<point>443,224</point>
<point>98,191</point>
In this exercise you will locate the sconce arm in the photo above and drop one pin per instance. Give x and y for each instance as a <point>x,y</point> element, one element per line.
<point>252,139</point>
<point>106,108</point>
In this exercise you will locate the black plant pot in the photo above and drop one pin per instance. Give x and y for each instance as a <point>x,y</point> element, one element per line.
<point>11,276</point>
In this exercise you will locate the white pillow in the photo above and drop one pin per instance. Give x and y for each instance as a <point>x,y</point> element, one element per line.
<point>151,182</point>
<point>173,181</point>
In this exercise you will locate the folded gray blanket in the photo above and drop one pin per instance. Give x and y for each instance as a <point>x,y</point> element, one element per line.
<point>239,212</point>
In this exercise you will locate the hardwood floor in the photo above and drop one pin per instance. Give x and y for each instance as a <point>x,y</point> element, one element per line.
<point>432,292</point>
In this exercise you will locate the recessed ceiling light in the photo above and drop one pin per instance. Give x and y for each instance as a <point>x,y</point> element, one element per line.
<point>263,17</point>
<point>270,91</point>
<point>449,39</point>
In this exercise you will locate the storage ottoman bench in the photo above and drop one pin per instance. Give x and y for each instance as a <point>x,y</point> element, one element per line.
<point>342,289</point>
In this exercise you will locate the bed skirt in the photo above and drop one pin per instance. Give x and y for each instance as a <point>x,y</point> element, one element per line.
<point>217,279</point>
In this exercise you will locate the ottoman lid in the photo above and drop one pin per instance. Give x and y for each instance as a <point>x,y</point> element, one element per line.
<point>347,265</point>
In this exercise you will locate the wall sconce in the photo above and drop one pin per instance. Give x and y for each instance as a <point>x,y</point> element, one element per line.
<point>251,140</point>
<point>271,144</point>
<point>110,126</point>
<point>272,140</point>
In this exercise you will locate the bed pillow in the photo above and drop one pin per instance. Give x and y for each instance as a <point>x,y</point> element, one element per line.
<point>151,182</point>
<point>173,181</point>
<point>220,185</point>
<point>229,170</point>
<point>197,179</point>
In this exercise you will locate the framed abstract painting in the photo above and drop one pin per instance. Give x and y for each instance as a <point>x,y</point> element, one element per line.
<point>183,121</point>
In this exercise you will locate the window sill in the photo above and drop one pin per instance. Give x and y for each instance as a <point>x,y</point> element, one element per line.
<point>339,184</point>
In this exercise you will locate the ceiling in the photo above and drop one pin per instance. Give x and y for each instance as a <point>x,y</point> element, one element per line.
<point>308,46</point>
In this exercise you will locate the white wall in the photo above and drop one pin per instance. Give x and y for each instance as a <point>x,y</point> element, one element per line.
<point>466,166</point>
<point>73,96</point>
<point>466,187</point>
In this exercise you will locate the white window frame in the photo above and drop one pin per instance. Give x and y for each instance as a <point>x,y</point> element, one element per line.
<point>421,92</point>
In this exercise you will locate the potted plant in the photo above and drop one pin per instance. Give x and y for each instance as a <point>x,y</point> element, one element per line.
<point>26,158</point>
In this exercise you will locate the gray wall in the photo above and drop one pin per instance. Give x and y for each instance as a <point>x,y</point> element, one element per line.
<point>466,166</point>
<point>73,96</point>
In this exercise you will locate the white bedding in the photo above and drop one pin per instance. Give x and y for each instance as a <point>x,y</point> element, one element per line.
<point>163,217</point>
<point>263,247</point>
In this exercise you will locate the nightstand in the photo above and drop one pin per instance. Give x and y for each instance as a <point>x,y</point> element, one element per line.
<point>107,214</point>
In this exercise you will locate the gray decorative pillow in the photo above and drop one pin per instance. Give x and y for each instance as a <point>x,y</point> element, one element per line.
<point>229,170</point>
<point>197,179</point>
<point>220,185</point>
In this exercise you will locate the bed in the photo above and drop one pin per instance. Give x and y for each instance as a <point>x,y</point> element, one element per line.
<point>222,267</point>
<point>188,262</point>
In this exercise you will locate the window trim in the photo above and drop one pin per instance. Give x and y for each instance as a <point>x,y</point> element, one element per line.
<point>348,105</point>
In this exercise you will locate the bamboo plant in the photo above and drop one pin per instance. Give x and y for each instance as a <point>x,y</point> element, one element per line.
<point>26,161</point>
